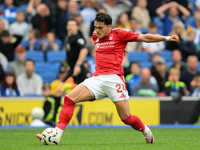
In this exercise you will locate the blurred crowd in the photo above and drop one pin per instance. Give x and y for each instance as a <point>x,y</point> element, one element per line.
<point>66,27</point>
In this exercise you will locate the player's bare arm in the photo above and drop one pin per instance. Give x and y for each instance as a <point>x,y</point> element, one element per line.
<point>82,55</point>
<point>149,38</point>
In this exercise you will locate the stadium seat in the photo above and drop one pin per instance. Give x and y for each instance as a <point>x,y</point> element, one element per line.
<point>198,67</point>
<point>167,55</point>
<point>42,67</point>
<point>48,77</point>
<point>146,64</point>
<point>32,95</point>
<point>139,56</point>
<point>55,67</point>
<point>169,63</point>
<point>56,56</point>
<point>159,24</point>
<point>36,56</point>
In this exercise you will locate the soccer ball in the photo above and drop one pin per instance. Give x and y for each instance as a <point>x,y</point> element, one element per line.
<point>50,136</point>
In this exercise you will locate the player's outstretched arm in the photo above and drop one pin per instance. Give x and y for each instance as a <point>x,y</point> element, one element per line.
<point>149,38</point>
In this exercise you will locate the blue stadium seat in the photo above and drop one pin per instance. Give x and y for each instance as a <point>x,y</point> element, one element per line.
<point>55,67</point>
<point>37,56</point>
<point>42,67</point>
<point>198,67</point>
<point>146,64</point>
<point>160,25</point>
<point>32,95</point>
<point>167,55</point>
<point>169,63</point>
<point>56,56</point>
<point>48,77</point>
<point>139,56</point>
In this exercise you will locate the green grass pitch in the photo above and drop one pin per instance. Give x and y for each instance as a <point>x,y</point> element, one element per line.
<point>102,139</point>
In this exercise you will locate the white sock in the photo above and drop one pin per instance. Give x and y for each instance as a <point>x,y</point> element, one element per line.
<point>59,131</point>
<point>146,131</point>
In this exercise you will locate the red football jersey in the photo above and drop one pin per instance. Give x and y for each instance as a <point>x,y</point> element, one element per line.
<point>110,50</point>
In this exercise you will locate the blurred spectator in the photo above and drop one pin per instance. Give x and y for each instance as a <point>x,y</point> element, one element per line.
<point>83,27</point>
<point>153,5</point>
<point>179,29</point>
<point>115,9</point>
<point>8,86</point>
<point>177,63</point>
<point>194,21</point>
<point>21,2</point>
<point>42,20</point>
<point>145,87</point>
<point>188,47</point>
<point>63,71</point>
<point>20,27</point>
<point>141,13</point>
<point>153,47</point>
<point>134,76</point>
<point>196,85</point>
<point>197,3</point>
<point>17,66</point>
<point>88,12</point>
<point>4,25</point>
<point>51,107</point>
<point>132,46</point>
<point>29,82</point>
<point>50,43</point>
<point>160,74</point>
<point>31,9</point>
<point>1,73</point>
<point>173,86</point>
<point>72,7</point>
<point>172,14</point>
<point>9,11</point>
<point>33,42</point>
<point>188,75</point>
<point>76,52</point>
<point>123,22</point>
<point>61,19</point>
<point>8,44</point>
<point>3,61</point>
<point>154,59</point>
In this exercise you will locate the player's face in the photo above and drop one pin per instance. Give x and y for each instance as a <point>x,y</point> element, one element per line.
<point>101,29</point>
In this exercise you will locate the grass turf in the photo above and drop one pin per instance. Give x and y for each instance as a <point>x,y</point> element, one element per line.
<point>102,139</point>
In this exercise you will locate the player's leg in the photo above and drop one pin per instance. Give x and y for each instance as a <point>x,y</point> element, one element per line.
<point>132,120</point>
<point>78,94</point>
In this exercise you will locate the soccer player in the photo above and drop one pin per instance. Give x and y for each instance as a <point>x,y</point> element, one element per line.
<point>108,78</point>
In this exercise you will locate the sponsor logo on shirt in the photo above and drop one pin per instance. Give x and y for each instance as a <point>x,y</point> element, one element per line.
<point>101,45</point>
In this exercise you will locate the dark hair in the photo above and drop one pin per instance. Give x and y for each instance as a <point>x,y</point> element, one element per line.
<point>135,62</point>
<point>29,60</point>
<point>152,25</point>
<point>72,19</point>
<point>35,32</point>
<point>5,34</point>
<point>4,83</point>
<point>132,18</point>
<point>104,18</point>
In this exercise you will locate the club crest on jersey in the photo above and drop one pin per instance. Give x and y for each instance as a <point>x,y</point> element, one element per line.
<point>110,37</point>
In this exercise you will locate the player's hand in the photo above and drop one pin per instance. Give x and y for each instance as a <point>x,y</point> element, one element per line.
<point>174,38</point>
<point>125,52</point>
<point>77,70</point>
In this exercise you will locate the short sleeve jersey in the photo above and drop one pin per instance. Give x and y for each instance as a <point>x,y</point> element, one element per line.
<point>73,46</point>
<point>110,50</point>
